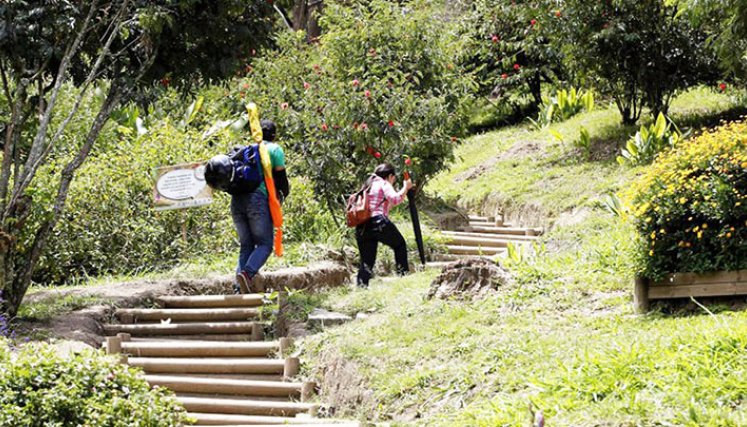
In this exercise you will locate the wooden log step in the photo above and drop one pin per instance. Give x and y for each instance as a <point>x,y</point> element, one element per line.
<point>211,301</point>
<point>475,250</point>
<point>130,315</point>
<point>210,337</point>
<point>461,240</point>
<point>242,377</point>
<point>191,365</point>
<point>182,328</point>
<point>453,257</point>
<point>244,406</point>
<point>200,348</point>
<point>513,238</point>
<point>180,384</point>
<point>507,231</point>
<point>208,419</point>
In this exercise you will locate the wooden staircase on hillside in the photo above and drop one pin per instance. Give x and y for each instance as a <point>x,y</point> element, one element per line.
<point>485,237</point>
<point>210,351</point>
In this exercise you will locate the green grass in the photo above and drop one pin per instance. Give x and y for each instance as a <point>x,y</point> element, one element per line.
<point>47,308</point>
<point>563,337</point>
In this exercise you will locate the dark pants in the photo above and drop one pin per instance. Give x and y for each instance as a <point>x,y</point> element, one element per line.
<point>368,236</point>
<point>251,216</point>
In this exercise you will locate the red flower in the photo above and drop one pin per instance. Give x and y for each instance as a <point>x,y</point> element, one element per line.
<point>377,155</point>
<point>533,22</point>
<point>367,93</point>
<point>557,14</point>
<point>517,67</point>
<point>245,86</point>
<point>495,38</point>
<point>306,85</point>
<point>722,86</point>
<point>364,126</point>
<point>324,127</point>
<point>504,76</point>
<point>316,67</point>
<point>408,162</point>
<point>284,106</point>
<point>355,125</point>
<point>372,51</point>
<point>165,82</point>
<point>391,124</point>
<point>355,82</point>
<point>453,139</point>
<point>370,150</point>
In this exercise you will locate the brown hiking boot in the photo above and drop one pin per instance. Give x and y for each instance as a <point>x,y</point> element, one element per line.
<point>245,282</point>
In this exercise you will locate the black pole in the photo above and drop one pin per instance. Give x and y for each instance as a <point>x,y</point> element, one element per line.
<point>415,222</point>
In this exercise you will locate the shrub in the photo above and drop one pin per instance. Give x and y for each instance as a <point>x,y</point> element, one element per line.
<point>642,52</point>
<point>690,207</point>
<point>379,86</point>
<point>564,105</point>
<point>511,46</point>
<point>39,388</point>
<point>649,141</point>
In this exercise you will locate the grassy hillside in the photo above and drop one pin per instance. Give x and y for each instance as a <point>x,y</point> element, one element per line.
<point>563,338</point>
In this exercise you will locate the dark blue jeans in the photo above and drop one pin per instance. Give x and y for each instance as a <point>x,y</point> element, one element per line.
<point>251,216</point>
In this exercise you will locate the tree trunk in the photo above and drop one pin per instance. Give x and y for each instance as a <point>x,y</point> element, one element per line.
<point>17,267</point>
<point>306,17</point>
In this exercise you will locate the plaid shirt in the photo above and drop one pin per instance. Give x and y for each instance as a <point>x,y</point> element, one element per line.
<point>382,196</point>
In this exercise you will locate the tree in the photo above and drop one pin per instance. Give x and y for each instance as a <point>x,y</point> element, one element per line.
<point>641,52</point>
<point>379,86</point>
<point>510,46</point>
<point>57,56</point>
<point>727,24</point>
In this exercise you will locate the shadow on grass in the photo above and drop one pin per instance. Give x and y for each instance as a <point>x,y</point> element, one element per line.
<point>712,119</point>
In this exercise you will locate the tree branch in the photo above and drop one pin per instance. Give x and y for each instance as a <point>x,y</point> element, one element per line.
<point>30,170</point>
<point>23,279</point>
<point>13,134</point>
<point>38,144</point>
<point>6,86</point>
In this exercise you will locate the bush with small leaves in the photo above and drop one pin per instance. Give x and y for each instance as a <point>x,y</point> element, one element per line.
<point>40,388</point>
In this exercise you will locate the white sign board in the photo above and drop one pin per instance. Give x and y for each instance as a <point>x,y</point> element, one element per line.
<point>181,186</point>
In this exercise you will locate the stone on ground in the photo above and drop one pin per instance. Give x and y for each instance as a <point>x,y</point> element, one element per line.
<point>469,279</point>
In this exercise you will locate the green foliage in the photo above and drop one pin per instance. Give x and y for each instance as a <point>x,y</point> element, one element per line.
<point>40,388</point>
<point>728,29</point>
<point>583,141</point>
<point>640,52</point>
<point>378,87</point>
<point>690,207</point>
<point>510,46</point>
<point>649,141</point>
<point>564,105</point>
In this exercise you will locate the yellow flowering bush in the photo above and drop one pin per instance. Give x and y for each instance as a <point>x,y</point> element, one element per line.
<point>690,207</point>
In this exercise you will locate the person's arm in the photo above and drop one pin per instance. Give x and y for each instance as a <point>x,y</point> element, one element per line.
<point>396,197</point>
<point>279,175</point>
<point>281,182</point>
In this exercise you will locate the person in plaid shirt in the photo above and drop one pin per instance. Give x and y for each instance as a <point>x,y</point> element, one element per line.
<point>382,197</point>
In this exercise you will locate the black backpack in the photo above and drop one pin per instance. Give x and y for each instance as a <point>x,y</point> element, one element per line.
<point>247,173</point>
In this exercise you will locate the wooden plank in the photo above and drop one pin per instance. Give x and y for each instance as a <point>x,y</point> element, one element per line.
<point>698,290</point>
<point>678,279</point>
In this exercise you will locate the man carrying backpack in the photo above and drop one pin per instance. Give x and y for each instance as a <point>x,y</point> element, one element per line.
<point>240,174</point>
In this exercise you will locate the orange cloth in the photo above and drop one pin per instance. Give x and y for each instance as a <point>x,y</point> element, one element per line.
<point>276,211</point>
